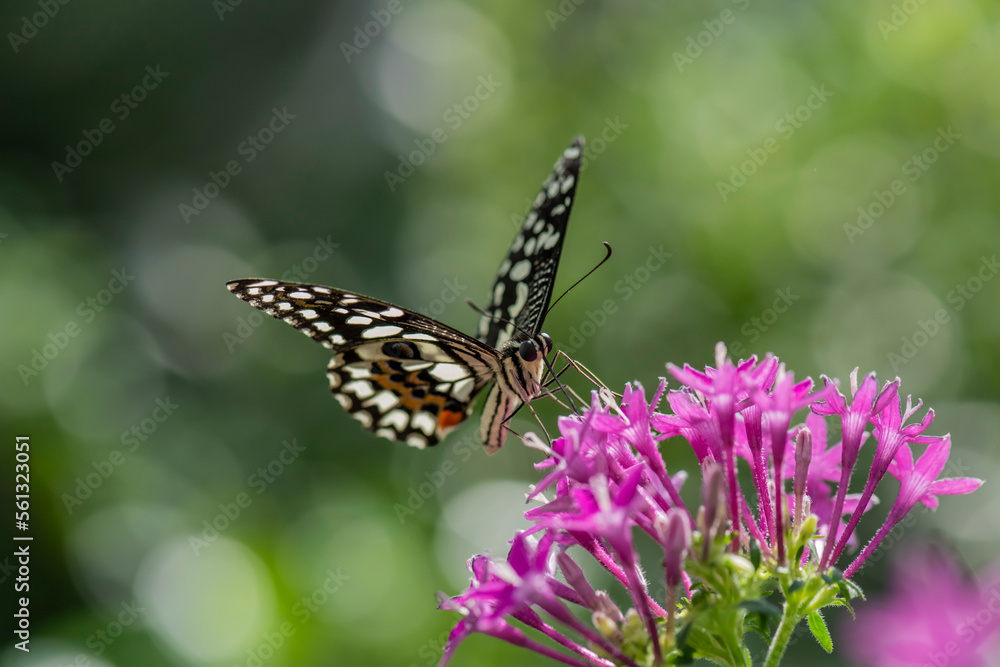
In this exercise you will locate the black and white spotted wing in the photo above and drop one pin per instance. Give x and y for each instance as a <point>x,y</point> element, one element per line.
<point>524,282</point>
<point>402,375</point>
<point>410,378</point>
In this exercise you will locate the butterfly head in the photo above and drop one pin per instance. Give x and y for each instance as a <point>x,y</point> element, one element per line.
<point>523,360</point>
<point>530,350</point>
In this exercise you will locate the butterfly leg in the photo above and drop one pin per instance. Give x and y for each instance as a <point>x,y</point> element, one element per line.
<point>548,438</point>
<point>553,376</point>
<point>545,391</point>
<point>581,369</point>
<point>550,375</point>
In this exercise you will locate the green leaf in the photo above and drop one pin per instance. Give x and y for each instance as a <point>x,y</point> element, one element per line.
<point>760,607</point>
<point>682,637</point>
<point>685,659</point>
<point>758,626</point>
<point>843,603</point>
<point>755,554</point>
<point>850,590</point>
<point>818,628</point>
<point>769,586</point>
<point>833,575</point>
<point>796,585</point>
<point>856,591</point>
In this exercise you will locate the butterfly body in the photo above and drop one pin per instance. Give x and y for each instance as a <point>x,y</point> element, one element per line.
<point>412,379</point>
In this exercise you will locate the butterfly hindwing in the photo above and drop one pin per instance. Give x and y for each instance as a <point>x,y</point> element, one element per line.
<point>402,375</point>
<point>524,282</point>
<point>397,389</point>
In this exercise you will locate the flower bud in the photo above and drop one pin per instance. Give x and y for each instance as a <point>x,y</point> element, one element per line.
<point>634,629</point>
<point>713,505</point>
<point>607,605</point>
<point>808,528</point>
<point>803,456</point>
<point>575,578</point>
<point>607,627</point>
<point>674,532</point>
<point>740,564</point>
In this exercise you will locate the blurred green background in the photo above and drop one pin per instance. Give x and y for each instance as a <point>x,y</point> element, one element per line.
<point>823,177</point>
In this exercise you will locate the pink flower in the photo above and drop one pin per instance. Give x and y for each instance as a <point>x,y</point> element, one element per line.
<point>855,418</point>
<point>890,434</point>
<point>932,615</point>
<point>777,408</point>
<point>918,483</point>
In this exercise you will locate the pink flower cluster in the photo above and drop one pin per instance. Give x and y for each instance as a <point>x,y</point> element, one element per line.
<point>606,482</point>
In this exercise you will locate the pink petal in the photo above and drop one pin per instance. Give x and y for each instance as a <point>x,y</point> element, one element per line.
<point>954,486</point>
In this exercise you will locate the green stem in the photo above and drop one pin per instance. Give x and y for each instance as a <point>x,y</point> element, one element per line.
<point>738,655</point>
<point>781,637</point>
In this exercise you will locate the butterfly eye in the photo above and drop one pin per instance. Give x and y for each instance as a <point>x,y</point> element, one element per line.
<point>547,342</point>
<point>528,351</point>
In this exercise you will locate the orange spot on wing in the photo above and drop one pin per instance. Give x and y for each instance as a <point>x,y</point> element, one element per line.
<point>450,418</point>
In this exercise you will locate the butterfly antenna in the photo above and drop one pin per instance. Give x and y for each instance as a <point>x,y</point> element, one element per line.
<point>607,246</point>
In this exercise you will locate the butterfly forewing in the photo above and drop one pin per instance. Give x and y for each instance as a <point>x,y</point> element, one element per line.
<point>402,375</point>
<point>524,282</point>
<point>412,379</point>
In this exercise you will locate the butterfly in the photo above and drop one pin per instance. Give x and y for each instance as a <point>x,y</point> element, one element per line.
<point>412,379</point>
